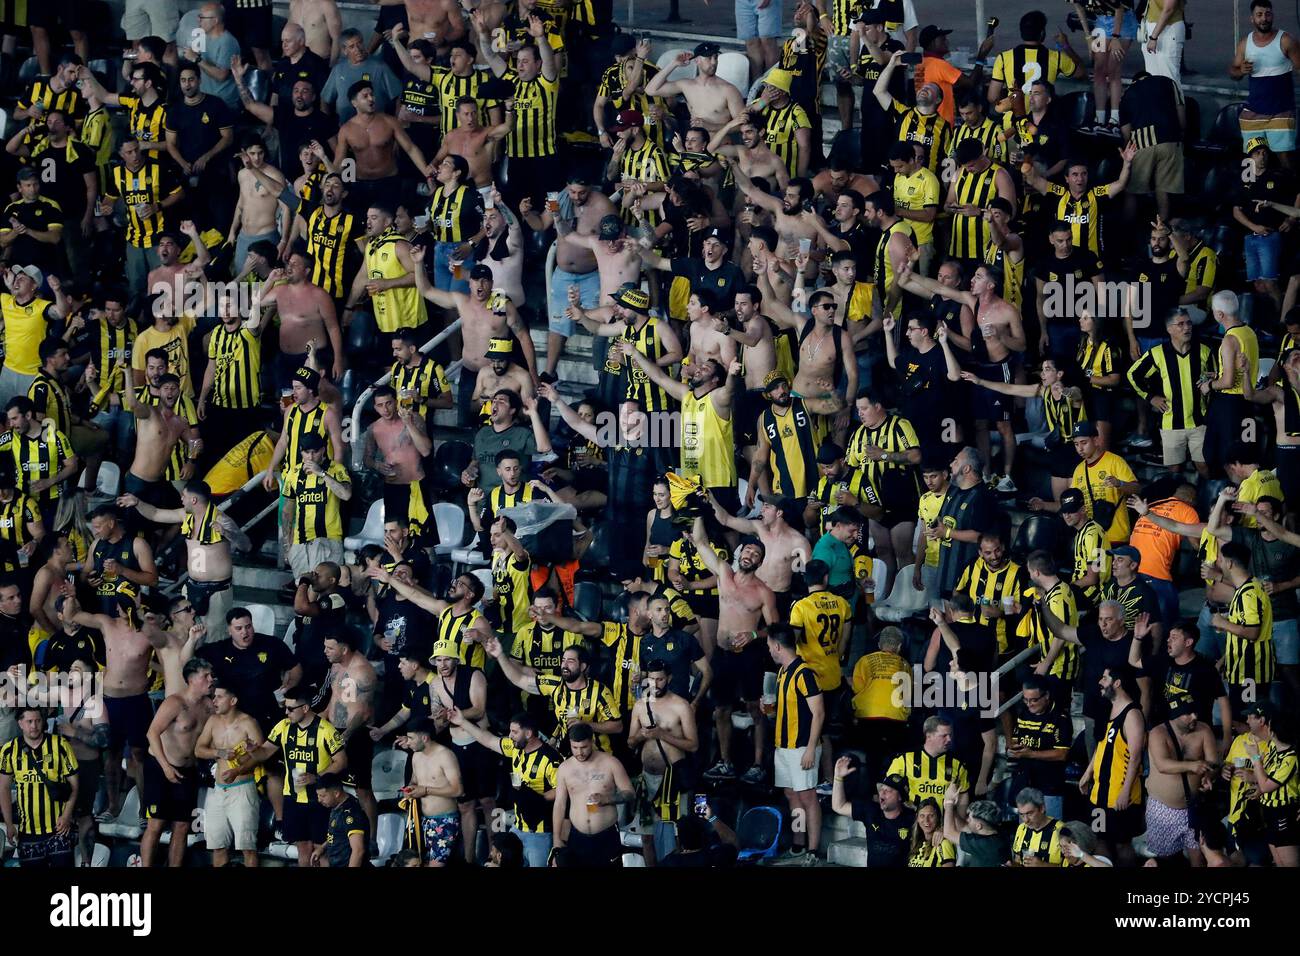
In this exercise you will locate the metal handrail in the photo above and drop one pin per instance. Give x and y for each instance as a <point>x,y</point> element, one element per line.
<point>354,423</point>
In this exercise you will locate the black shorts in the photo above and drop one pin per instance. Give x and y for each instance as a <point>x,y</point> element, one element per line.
<point>159,493</point>
<point>478,772</point>
<point>1120,826</point>
<point>200,594</point>
<point>1102,404</point>
<point>703,604</point>
<point>750,404</point>
<point>986,405</point>
<point>386,190</point>
<point>167,801</point>
<point>305,822</point>
<point>1283,825</point>
<point>128,722</point>
<point>598,850</point>
<point>1062,459</point>
<point>900,497</point>
<point>740,676</point>
<point>50,13</point>
<point>88,774</point>
<point>251,26</point>
<point>783,601</point>
<point>360,751</point>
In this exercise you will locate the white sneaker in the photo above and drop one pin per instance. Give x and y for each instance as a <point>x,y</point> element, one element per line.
<point>1140,441</point>
<point>1006,485</point>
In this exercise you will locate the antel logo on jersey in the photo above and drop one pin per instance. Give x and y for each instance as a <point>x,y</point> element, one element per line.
<point>77,910</point>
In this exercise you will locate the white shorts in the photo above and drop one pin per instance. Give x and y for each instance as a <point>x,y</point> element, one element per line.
<point>230,817</point>
<point>1177,443</point>
<point>303,558</point>
<point>143,18</point>
<point>1168,58</point>
<point>788,774</point>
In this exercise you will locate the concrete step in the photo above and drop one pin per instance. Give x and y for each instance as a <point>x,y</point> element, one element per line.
<point>851,852</point>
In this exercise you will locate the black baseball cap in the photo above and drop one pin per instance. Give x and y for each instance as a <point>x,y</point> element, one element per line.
<point>1071,501</point>
<point>931,33</point>
<point>481,271</point>
<point>622,44</point>
<point>872,15</point>
<point>896,781</point>
<point>707,48</point>
<point>1084,430</point>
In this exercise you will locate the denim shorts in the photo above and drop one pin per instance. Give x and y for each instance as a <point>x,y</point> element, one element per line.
<point>1286,641</point>
<point>588,290</point>
<point>1263,254</point>
<point>442,277</point>
<point>1128,28</point>
<point>752,23</point>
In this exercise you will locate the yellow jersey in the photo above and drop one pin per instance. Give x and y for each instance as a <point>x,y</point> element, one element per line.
<point>820,619</point>
<point>708,443</point>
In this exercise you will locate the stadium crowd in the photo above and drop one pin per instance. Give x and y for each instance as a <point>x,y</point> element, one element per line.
<point>937,474</point>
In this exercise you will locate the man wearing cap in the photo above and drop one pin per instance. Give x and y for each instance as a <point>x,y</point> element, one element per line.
<point>922,124</point>
<point>501,372</point>
<point>888,820</point>
<point>637,164</point>
<point>484,316</point>
<point>786,125</point>
<point>1106,481</point>
<point>712,101</point>
<point>713,271</point>
<point>32,225</point>
<point>634,326</point>
<point>935,69</point>
<point>1184,755</point>
<point>622,87</point>
<point>787,445</point>
<point>26,317</point>
<point>1128,588</point>
<point>618,262</point>
<point>1091,560</point>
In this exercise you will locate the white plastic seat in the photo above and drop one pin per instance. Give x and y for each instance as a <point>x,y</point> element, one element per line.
<point>128,825</point>
<point>388,774</point>
<point>291,635</point>
<point>485,575</point>
<point>903,601</point>
<point>450,522</point>
<point>263,618</point>
<point>392,833</point>
<point>4,122</point>
<point>665,62</point>
<point>734,68</point>
<point>282,851</point>
<point>373,530</point>
<point>633,860</point>
<point>98,856</point>
<point>880,575</point>
<point>1266,366</point>
<point>107,482</point>
<point>468,558</point>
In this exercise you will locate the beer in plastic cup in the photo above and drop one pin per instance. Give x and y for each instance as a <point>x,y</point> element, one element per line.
<point>286,397</point>
<point>516,779</point>
<point>592,805</point>
<point>406,397</point>
<point>768,703</point>
<point>553,202</point>
<point>805,246</point>
<point>1008,603</point>
<point>455,269</point>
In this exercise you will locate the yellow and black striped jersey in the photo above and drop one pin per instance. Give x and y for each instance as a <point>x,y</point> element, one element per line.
<point>987,587</point>
<point>452,627</point>
<point>893,434</point>
<point>513,588</point>
<point>1090,548</point>
<point>206,530</point>
<point>536,772</point>
<point>854,481</point>
<point>1060,600</point>
<point>1083,214</point>
<point>1111,761</point>
<point>97,134</point>
<point>32,770</point>
<point>1043,844</point>
<point>692,565</point>
<point>450,88</point>
<point>796,686</point>
<point>1096,359</point>
<point>426,379</point>
<point>542,647</point>
<point>780,133</point>
<point>42,92</point>
<point>1165,371</point>
<point>1027,63</point>
<point>186,409</point>
<point>970,234</point>
<point>145,123</point>
<point>454,215</point>
<point>237,362</point>
<point>929,776</point>
<point>149,185</point>
<point>625,651</point>
<point>1244,658</point>
<point>316,506</point>
<point>593,703</point>
<point>331,242</point>
<point>51,400</point>
<point>307,749</point>
<point>16,515</point>
<point>933,132</point>
<point>987,135</point>
<point>299,423</point>
<point>1280,767</point>
<point>793,439</point>
<point>532,134</point>
<point>39,458</point>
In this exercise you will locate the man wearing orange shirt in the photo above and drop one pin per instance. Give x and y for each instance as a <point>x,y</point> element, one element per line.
<point>1159,547</point>
<point>935,68</point>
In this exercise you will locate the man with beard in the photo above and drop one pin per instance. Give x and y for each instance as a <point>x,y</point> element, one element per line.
<point>663,727</point>
<point>751,155</point>
<point>322,609</point>
<point>1184,757</point>
<point>588,789</point>
<point>397,443</point>
<point>778,530</point>
<point>677,650</point>
<point>402,613</point>
<point>740,660</point>
<point>575,697</point>
<point>629,320</point>
<point>785,460</point>
<point>435,782</point>
<point>502,373</point>
<point>711,100</point>
<point>171,775</point>
<point>464,689</point>
<point>1112,783</point>
<point>353,693</point>
<point>230,815</point>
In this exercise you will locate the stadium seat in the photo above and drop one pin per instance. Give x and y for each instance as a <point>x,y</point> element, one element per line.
<point>600,554</point>
<point>1192,125</point>
<point>665,62</point>
<point>880,576</point>
<point>469,558</point>
<point>373,530</point>
<point>586,600</point>
<point>759,833</point>
<point>98,857</point>
<point>4,122</point>
<point>485,575</point>
<point>1266,366</point>
<point>391,836</point>
<point>263,618</point>
<point>282,851</point>
<point>449,460</point>
<point>633,860</point>
<point>1224,136</point>
<point>127,825</point>
<point>291,634</point>
<point>388,773</point>
<point>734,68</point>
<point>1039,533</point>
<point>107,482</point>
<point>450,522</point>
<point>30,69</point>
<point>903,600</point>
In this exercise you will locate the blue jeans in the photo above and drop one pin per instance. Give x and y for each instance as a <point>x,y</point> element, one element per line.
<point>1167,595</point>
<point>1263,254</point>
<point>1055,807</point>
<point>442,255</point>
<point>537,847</point>
<point>120,425</point>
<point>1211,643</point>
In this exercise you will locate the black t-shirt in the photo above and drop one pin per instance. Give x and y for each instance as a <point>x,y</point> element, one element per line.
<point>862,240</point>
<point>65,180</point>
<point>679,651</point>
<point>310,66</point>
<point>1137,598</point>
<point>965,509</point>
<point>345,819</point>
<point>1081,264</point>
<point>985,849</point>
<point>1101,654</point>
<point>255,672</point>
<point>978,641</point>
<point>1150,106</point>
<point>198,127</point>
<point>401,621</point>
<point>84,644</point>
<point>1051,731</point>
<point>887,838</point>
<point>296,130</point>
<point>1198,679</point>
<point>1166,286</point>
<point>722,282</point>
<point>1274,184</point>
<point>14,646</point>
<point>309,643</point>
<point>40,216</point>
<point>924,388</point>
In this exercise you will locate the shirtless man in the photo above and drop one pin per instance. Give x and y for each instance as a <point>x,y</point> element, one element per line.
<point>308,320</point>
<point>786,548</point>
<point>353,688</point>
<point>168,278</point>
<point>435,782</point>
<point>126,688</point>
<point>439,20</point>
<point>209,534</point>
<point>817,379</point>
<point>322,23</point>
<point>1184,755</point>
<point>175,645</point>
<point>48,584</point>
<point>663,726</point>
<point>158,428</point>
<point>258,210</point>
<point>752,157</point>
<point>589,786</point>
<point>618,261</point>
<point>473,141</point>
<point>395,447</point>
<point>787,212</point>
<point>581,208</point>
<point>171,778</point>
<point>372,138</point>
<point>231,814</point>
<point>480,322</point>
<point>753,332</point>
<point>83,721</point>
<point>712,101</point>
<point>840,177</point>
<point>740,659</point>
<point>706,342</point>
<point>459,687</point>
<point>501,373</point>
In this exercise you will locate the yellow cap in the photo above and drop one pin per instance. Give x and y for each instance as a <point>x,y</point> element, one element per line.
<point>444,649</point>
<point>781,79</point>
